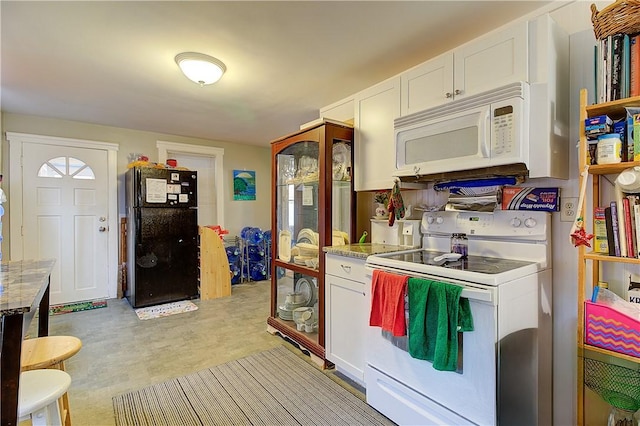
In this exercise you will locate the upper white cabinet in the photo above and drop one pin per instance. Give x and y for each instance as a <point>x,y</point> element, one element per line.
<point>427,84</point>
<point>490,61</point>
<point>375,110</point>
<point>342,110</point>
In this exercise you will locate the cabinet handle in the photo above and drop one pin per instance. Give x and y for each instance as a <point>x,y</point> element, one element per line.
<point>448,95</point>
<point>346,268</point>
<point>457,92</point>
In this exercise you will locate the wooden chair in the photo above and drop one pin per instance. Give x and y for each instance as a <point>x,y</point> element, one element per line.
<point>50,352</point>
<point>38,396</point>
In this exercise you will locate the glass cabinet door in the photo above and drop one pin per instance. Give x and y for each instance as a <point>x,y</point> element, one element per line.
<point>342,193</point>
<point>297,209</point>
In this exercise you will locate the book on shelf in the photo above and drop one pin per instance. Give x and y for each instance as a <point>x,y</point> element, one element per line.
<point>615,229</point>
<point>634,65</point>
<point>610,234</point>
<point>627,225</point>
<point>616,66</point>
<point>636,211</point>
<point>626,59</point>
<point>633,201</point>
<point>601,244</point>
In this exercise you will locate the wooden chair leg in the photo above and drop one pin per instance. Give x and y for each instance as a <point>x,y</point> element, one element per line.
<point>63,402</point>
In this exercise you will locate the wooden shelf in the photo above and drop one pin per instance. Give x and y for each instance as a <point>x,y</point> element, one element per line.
<point>614,109</point>
<point>600,257</point>
<point>608,169</point>
<point>608,353</point>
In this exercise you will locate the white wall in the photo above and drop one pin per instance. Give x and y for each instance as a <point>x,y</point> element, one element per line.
<point>237,214</point>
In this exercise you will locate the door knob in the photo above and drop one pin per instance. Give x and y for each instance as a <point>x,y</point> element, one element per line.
<point>457,91</point>
<point>102,229</point>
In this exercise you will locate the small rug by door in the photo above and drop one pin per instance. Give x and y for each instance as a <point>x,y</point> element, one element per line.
<point>274,387</point>
<point>75,307</point>
<point>165,309</point>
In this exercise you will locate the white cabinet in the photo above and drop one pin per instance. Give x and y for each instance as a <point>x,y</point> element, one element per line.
<point>346,315</point>
<point>375,110</point>
<point>490,61</point>
<point>427,84</point>
<point>342,110</point>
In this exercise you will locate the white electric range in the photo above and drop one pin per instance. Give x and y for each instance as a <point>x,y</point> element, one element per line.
<point>505,364</point>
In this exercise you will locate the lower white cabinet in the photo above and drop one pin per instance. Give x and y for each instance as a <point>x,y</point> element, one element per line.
<point>346,315</point>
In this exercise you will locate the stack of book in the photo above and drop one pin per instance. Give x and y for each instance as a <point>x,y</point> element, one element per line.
<point>617,227</point>
<point>617,66</point>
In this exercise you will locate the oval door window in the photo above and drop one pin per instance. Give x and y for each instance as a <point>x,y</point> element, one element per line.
<point>63,166</point>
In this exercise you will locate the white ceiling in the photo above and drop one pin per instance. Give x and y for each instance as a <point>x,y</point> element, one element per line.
<point>112,63</point>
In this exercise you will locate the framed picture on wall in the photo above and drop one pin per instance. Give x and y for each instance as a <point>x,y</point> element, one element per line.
<point>244,185</point>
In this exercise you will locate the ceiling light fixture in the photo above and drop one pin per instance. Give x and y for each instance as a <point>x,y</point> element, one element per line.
<point>200,68</point>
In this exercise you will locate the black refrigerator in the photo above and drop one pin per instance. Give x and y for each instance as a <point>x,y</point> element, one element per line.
<point>162,236</point>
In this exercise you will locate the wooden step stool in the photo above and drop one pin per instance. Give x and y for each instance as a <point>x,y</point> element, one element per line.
<point>51,352</point>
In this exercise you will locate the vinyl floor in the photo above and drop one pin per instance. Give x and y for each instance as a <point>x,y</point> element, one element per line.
<point>121,353</point>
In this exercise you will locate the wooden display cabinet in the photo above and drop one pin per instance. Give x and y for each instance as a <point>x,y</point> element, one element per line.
<point>313,205</point>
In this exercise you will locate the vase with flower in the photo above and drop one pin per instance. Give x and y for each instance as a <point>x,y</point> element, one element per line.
<point>381,198</point>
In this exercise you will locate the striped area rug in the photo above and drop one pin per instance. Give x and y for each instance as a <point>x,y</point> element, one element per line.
<point>273,387</point>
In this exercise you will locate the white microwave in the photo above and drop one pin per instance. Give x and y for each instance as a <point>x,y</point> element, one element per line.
<point>484,130</point>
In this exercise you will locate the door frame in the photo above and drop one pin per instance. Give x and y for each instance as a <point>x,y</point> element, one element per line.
<point>208,151</point>
<point>16,243</point>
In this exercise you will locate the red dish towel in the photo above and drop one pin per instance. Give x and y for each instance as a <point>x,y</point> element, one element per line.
<point>387,302</point>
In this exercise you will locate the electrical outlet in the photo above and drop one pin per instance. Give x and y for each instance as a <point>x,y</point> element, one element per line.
<point>568,209</point>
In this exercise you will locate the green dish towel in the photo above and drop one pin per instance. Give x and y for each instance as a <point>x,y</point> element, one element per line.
<point>436,314</point>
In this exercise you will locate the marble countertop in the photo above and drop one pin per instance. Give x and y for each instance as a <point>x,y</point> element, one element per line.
<point>21,283</point>
<point>364,250</point>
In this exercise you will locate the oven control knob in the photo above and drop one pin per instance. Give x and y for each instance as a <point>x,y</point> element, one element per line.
<point>516,222</point>
<point>429,220</point>
<point>530,222</point>
<point>439,220</point>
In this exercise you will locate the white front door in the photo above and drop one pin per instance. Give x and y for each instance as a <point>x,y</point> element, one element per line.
<point>66,216</point>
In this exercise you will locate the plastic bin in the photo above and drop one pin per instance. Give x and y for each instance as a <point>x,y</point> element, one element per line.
<point>609,329</point>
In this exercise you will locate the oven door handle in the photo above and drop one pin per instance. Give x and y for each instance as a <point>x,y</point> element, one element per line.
<point>469,291</point>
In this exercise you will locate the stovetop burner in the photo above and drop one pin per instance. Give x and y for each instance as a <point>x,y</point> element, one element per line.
<point>478,264</point>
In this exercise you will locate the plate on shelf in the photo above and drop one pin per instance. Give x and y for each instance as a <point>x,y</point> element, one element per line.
<point>385,217</point>
<point>308,236</point>
<point>285,314</point>
<point>309,290</point>
<point>284,246</point>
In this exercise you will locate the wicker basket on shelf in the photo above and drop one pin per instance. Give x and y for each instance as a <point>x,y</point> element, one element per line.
<point>620,17</point>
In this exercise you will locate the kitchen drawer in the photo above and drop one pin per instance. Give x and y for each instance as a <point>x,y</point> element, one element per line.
<point>345,267</point>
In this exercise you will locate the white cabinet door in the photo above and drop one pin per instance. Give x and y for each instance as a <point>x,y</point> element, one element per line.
<point>375,110</point>
<point>492,61</point>
<point>429,84</point>
<point>347,314</point>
